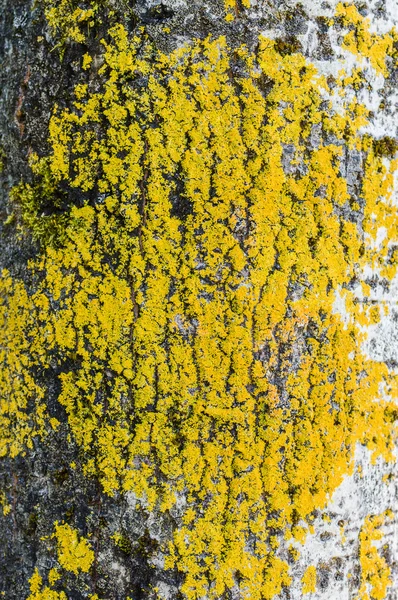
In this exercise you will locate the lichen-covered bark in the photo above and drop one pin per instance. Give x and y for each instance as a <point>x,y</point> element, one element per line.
<point>199,229</point>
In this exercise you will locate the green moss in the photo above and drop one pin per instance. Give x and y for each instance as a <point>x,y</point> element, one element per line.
<point>70,513</point>
<point>385,147</point>
<point>9,220</point>
<point>122,541</point>
<point>59,477</point>
<point>32,523</point>
<point>294,12</point>
<point>2,159</point>
<point>147,545</point>
<point>288,45</point>
<point>323,23</point>
<point>40,208</point>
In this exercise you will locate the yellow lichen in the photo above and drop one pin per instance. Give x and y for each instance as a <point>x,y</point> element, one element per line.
<point>294,553</point>
<point>6,507</point>
<point>38,592</point>
<point>375,572</point>
<point>234,7</point>
<point>53,576</point>
<point>361,42</point>
<point>195,300</point>
<point>309,580</point>
<point>20,393</point>
<point>74,552</point>
<point>70,19</point>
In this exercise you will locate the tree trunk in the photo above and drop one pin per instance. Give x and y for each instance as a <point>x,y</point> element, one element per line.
<point>198,323</point>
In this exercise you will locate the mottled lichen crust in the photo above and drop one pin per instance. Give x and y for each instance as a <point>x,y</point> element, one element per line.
<point>375,572</point>
<point>309,580</point>
<point>73,554</point>
<point>189,304</point>
<point>38,592</point>
<point>70,18</point>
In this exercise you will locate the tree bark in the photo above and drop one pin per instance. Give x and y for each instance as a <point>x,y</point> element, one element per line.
<point>198,324</point>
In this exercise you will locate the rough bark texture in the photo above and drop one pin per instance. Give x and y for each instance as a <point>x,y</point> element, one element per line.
<point>40,68</point>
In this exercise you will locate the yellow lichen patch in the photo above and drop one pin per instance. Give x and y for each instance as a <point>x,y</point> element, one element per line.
<point>53,576</point>
<point>375,572</point>
<point>6,507</point>
<point>38,592</point>
<point>190,307</point>
<point>361,42</point>
<point>70,19</point>
<point>74,553</point>
<point>21,401</point>
<point>309,580</point>
<point>294,553</point>
<point>233,8</point>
